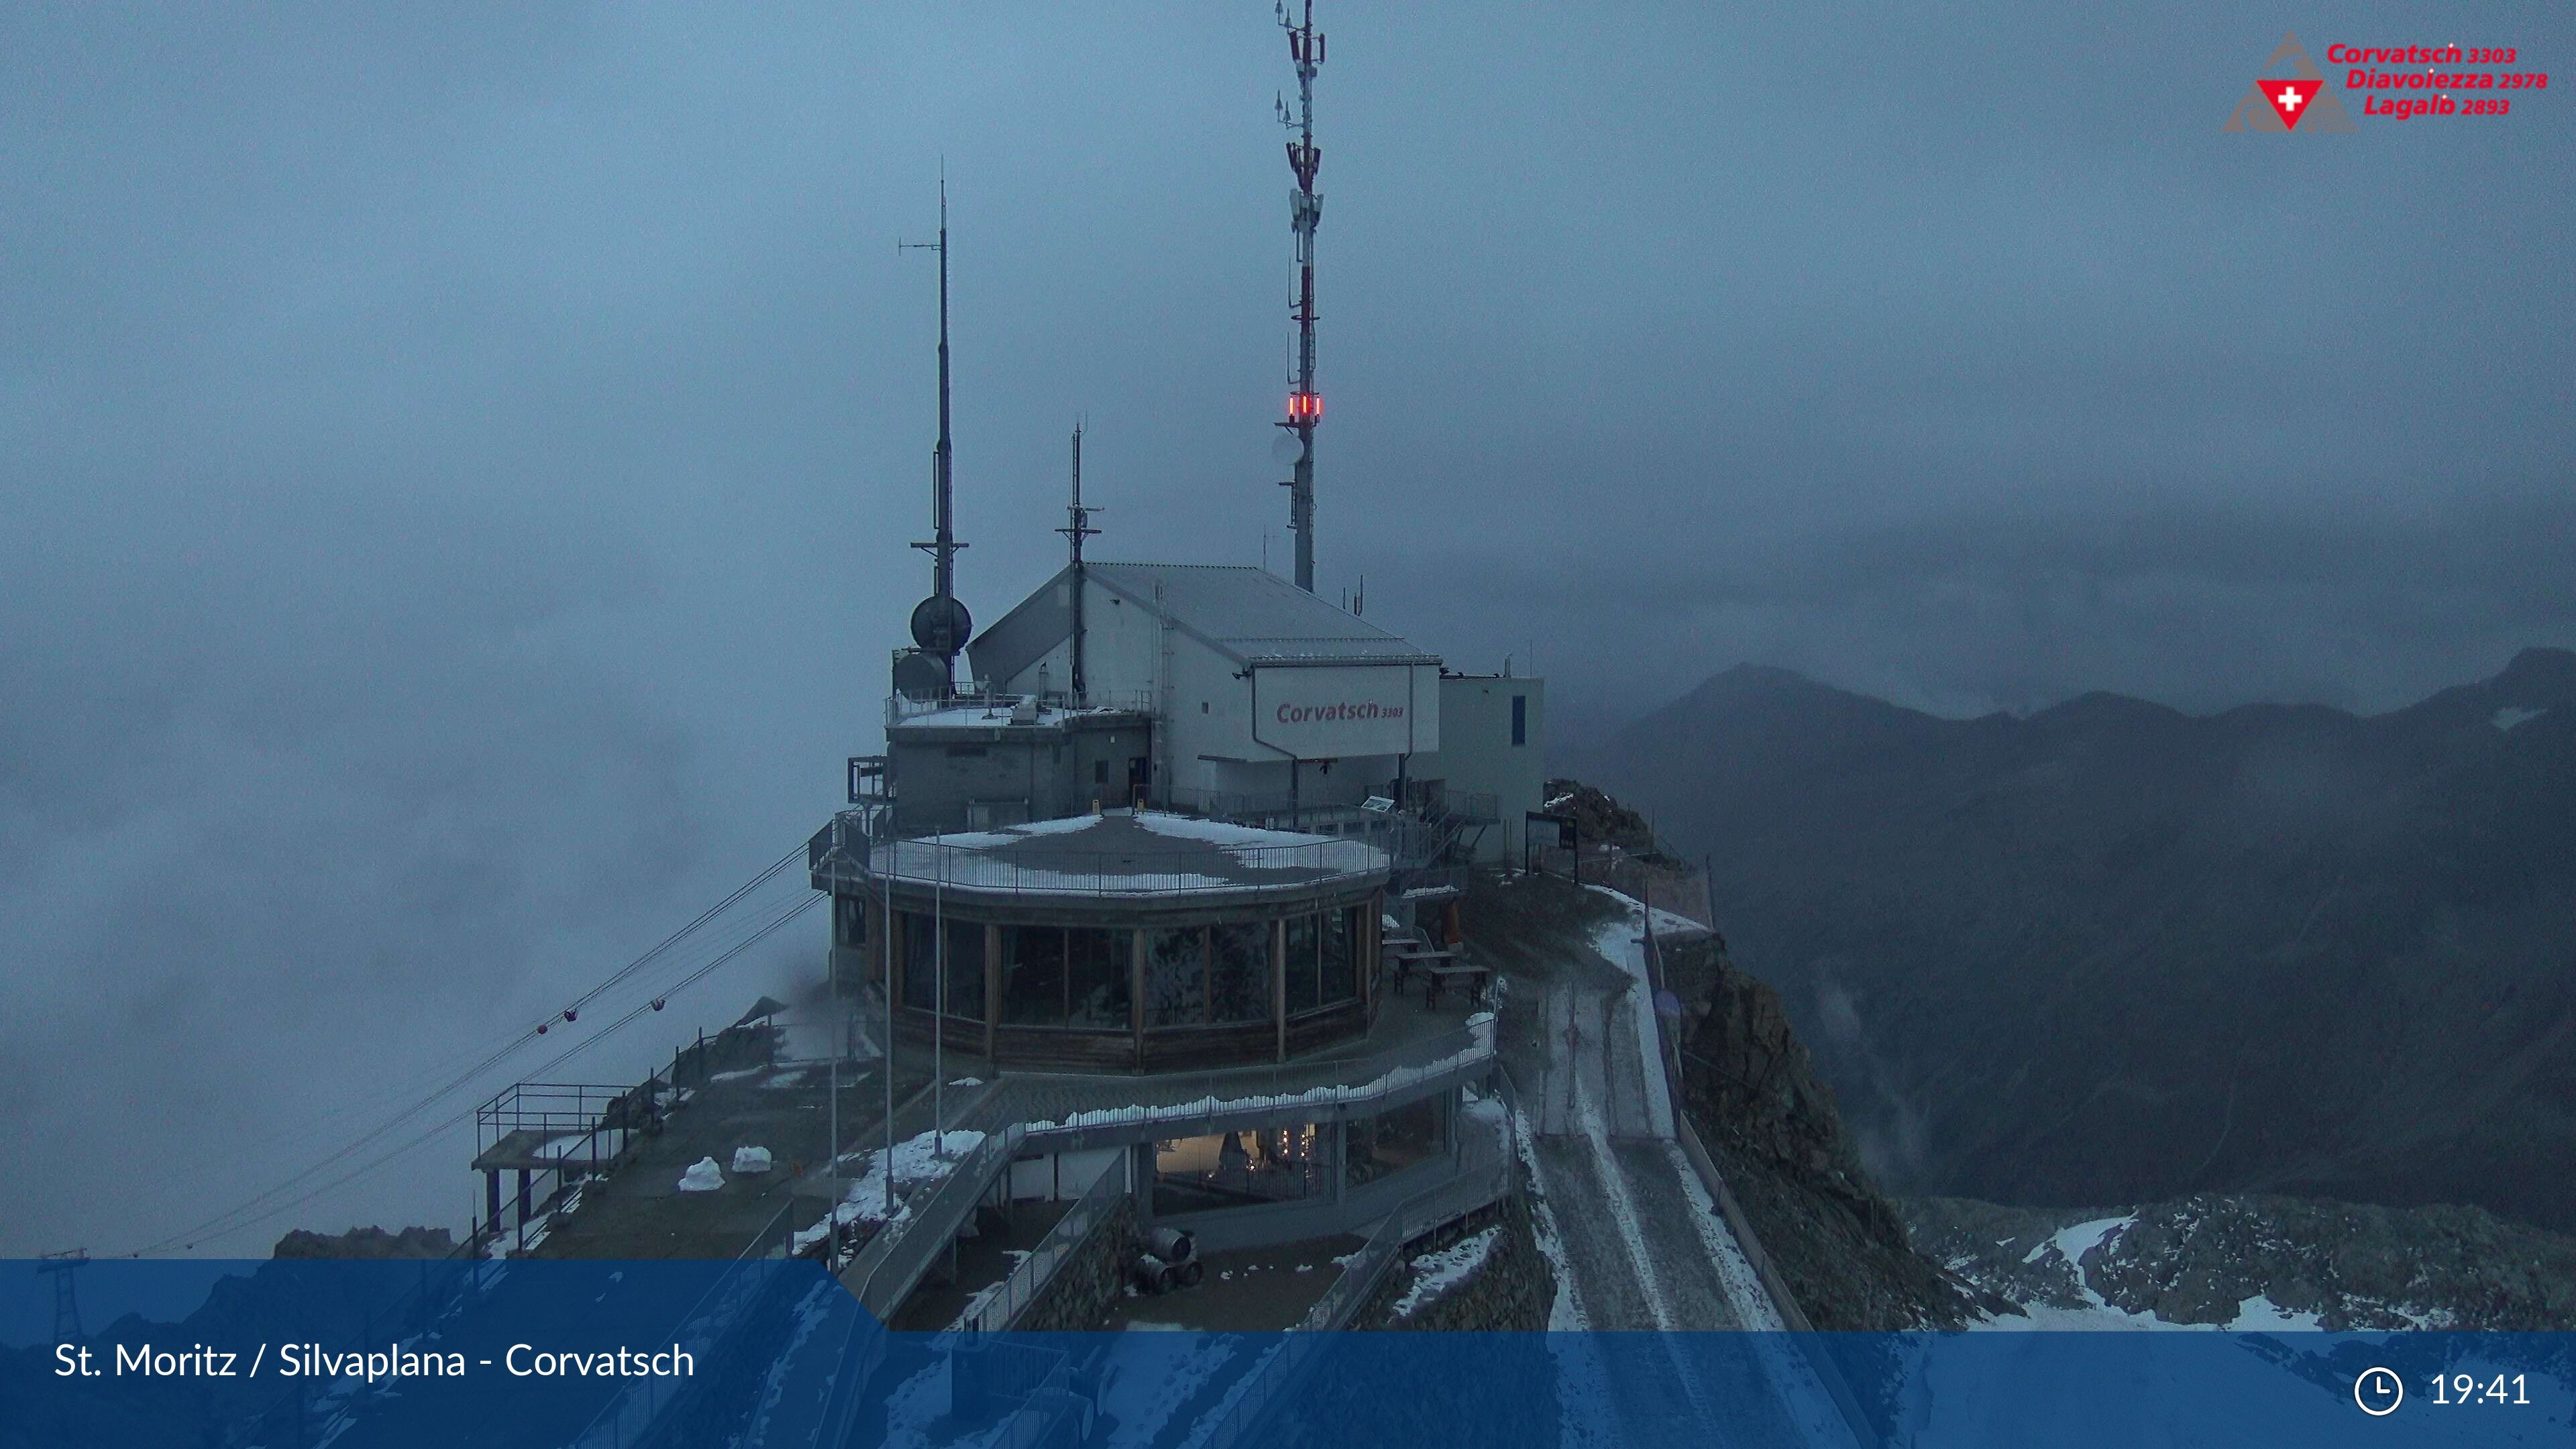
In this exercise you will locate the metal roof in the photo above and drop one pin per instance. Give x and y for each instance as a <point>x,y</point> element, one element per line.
<point>1247,614</point>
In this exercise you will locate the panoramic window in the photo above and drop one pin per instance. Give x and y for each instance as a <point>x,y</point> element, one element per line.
<point>966,970</point>
<point>1033,975</point>
<point>1239,972</point>
<point>1393,1141</point>
<point>1341,965</point>
<point>1305,991</point>
<point>1241,1169</point>
<point>920,961</point>
<point>1176,977</point>
<point>1096,977</point>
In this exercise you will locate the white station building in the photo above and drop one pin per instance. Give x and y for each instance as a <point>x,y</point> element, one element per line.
<point>1219,690</point>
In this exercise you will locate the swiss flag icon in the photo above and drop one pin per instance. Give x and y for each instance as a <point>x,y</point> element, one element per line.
<point>2290,98</point>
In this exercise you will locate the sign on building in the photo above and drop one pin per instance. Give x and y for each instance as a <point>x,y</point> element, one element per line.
<point>1336,711</point>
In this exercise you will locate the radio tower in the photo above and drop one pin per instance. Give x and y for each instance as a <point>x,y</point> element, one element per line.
<point>1077,528</point>
<point>940,623</point>
<point>1305,210</point>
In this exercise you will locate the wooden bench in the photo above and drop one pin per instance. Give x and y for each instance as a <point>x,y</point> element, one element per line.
<point>1464,974</point>
<point>1406,958</point>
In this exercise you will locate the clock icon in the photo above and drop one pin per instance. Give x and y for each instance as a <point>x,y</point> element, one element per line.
<point>2379,1391</point>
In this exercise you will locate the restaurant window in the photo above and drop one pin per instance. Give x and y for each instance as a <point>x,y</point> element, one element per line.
<point>1392,1141</point>
<point>920,961</point>
<point>1303,939</point>
<point>1176,977</point>
<point>1239,972</point>
<point>1341,955</point>
<point>966,970</point>
<point>1096,977</point>
<point>1033,975</point>
<point>1242,1169</point>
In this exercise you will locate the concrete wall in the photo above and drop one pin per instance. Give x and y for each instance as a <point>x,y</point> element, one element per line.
<point>1477,756</point>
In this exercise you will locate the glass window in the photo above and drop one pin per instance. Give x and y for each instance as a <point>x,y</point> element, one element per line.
<point>1520,719</point>
<point>966,970</point>
<point>1096,977</point>
<point>850,920</point>
<point>1239,971</point>
<point>1341,968</point>
<point>1176,977</point>
<point>1033,975</point>
<point>1304,988</point>
<point>1372,1147</point>
<point>920,961</point>
<point>1242,1169</point>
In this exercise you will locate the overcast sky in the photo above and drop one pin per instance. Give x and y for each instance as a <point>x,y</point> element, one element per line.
<point>456,469</point>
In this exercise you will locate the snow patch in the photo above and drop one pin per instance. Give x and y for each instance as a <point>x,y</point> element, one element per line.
<point>2259,1314</point>
<point>750,1160</point>
<point>916,1161</point>
<point>2509,716</point>
<point>703,1176</point>
<point>1437,1273</point>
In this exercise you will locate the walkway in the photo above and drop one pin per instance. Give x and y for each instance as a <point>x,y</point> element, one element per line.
<point>1636,1241</point>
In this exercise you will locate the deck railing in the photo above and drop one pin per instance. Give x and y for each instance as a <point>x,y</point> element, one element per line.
<point>844,855</point>
<point>1000,1306</point>
<point>1469,1190</point>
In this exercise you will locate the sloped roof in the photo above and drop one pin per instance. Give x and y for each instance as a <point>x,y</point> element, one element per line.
<point>1248,614</point>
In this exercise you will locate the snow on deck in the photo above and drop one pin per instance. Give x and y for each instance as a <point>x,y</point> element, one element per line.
<point>1125,853</point>
<point>916,1161</point>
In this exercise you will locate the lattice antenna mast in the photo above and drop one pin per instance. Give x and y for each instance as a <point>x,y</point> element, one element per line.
<point>940,625</point>
<point>1305,212</point>
<point>1077,528</point>
<point>67,1315</point>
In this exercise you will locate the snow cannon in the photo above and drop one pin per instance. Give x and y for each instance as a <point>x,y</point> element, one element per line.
<point>1154,1276</point>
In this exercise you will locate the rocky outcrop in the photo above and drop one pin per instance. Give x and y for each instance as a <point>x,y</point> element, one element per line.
<point>2205,1259</point>
<point>368,1243</point>
<point>1753,1095</point>
<point>1511,1290</point>
<point>1600,819</point>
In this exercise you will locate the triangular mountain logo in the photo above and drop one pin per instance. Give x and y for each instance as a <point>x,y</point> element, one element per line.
<point>2288,95</point>
<point>2290,99</point>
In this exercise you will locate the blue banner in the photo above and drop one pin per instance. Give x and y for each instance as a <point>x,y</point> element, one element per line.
<point>608,1355</point>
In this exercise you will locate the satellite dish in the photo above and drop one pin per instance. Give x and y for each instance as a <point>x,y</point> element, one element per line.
<point>1285,447</point>
<point>920,676</point>
<point>941,626</point>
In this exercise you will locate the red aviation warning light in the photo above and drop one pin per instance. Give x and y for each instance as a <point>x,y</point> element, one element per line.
<point>1305,407</point>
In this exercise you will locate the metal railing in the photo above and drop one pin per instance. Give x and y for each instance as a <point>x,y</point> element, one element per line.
<point>1001,1305</point>
<point>893,1261</point>
<point>556,1111</point>
<point>1361,1274</point>
<point>1827,1374</point>
<point>843,854</point>
<point>996,706</point>
<point>1209,1097</point>
<point>628,1416</point>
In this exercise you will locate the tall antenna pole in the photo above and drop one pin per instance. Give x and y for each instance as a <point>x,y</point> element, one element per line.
<point>1305,211</point>
<point>1077,528</point>
<point>940,624</point>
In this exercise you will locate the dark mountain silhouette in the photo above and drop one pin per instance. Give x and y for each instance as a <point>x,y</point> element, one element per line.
<point>2113,952</point>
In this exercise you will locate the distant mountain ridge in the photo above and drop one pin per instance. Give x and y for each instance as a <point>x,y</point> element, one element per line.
<point>2113,952</point>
